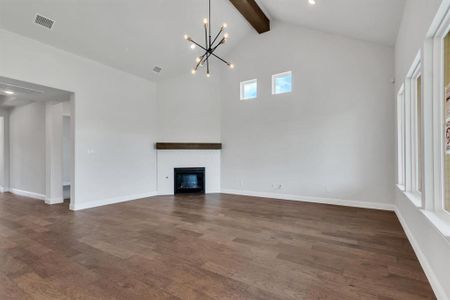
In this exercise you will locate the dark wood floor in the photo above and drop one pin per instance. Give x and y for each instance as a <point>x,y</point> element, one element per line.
<point>204,247</point>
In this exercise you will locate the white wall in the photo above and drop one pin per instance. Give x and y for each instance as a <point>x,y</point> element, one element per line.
<point>4,150</point>
<point>331,138</point>
<point>189,108</point>
<point>416,21</point>
<point>114,117</point>
<point>54,152</point>
<point>67,144</point>
<point>431,246</point>
<point>27,148</point>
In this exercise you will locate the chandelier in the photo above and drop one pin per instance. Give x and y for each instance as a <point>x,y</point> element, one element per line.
<point>211,44</point>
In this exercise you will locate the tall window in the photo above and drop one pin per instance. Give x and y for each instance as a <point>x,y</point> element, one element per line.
<point>414,107</point>
<point>401,137</point>
<point>419,134</point>
<point>446,116</point>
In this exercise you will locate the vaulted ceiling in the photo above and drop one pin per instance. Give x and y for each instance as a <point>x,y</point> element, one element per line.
<point>137,35</point>
<point>375,21</point>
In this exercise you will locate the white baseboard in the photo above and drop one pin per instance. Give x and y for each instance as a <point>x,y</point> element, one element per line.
<point>351,203</point>
<point>57,200</point>
<point>28,194</point>
<point>4,189</point>
<point>109,201</point>
<point>432,278</point>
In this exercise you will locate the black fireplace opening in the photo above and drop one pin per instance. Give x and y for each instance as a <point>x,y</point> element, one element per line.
<point>189,180</point>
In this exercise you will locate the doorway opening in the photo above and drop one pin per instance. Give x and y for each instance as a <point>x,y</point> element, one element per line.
<point>37,141</point>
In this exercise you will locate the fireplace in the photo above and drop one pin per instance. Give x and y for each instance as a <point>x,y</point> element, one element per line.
<point>189,180</point>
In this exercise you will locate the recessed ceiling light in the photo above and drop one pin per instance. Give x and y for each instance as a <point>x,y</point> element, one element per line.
<point>312,2</point>
<point>9,92</point>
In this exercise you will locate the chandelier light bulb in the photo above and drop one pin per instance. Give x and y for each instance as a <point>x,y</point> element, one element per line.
<point>226,35</point>
<point>186,37</point>
<point>225,25</point>
<point>231,66</point>
<point>197,59</point>
<point>208,75</point>
<point>312,2</point>
<point>193,71</point>
<point>205,21</point>
<point>192,46</point>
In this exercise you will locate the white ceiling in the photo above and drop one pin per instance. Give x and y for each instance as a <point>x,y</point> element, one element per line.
<point>370,20</point>
<point>136,35</point>
<point>131,35</point>
<point>25,93</point>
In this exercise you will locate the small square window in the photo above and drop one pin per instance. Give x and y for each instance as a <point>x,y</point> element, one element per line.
<point>249,89</point>
<point>282,83</point>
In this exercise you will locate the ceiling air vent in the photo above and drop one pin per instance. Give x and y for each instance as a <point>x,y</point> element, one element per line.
<point>157,69</point>
<point>43,21</point>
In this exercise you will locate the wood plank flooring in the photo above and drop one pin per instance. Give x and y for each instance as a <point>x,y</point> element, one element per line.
<point>204,247</point>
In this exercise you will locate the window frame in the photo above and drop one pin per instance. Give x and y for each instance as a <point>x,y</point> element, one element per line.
<point>401,157</point>
<point>241,89</point>
<point>414,148</point>
<point>433,59</point>
<point>435,202</point>
<point>275,76</point>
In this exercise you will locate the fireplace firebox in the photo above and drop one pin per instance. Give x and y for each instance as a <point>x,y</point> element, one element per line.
<point>189,180</point>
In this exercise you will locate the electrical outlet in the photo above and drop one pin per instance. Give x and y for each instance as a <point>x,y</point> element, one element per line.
<point>277,186</point>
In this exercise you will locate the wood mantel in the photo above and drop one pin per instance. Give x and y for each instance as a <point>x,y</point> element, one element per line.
<point>188,146</point>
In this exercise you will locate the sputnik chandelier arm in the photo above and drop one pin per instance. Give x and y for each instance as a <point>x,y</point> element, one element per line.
<point>210,44</point>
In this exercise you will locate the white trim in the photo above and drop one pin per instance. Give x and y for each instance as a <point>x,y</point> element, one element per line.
<point>332,201</point>
<point>4,189</point>
<point>56,200</point>
<point>413,146</point>
<point>442,28</point>
<point>109,201</point>
<point>428,135</point>
<point>440,222</point>
<point>431,276</point>
<point>28,194</point>
<point>438,19</point>
<point>415,198</point>
<point>400,187</point>
<point>401,134</point>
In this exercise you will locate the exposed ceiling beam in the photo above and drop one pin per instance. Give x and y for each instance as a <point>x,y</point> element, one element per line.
<point>253,13</point>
